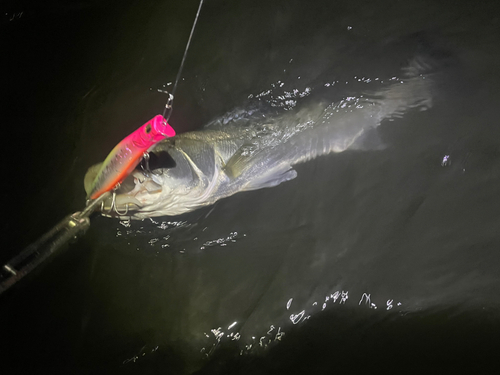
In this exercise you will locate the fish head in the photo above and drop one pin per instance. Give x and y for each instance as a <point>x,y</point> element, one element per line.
<point>171,187</point>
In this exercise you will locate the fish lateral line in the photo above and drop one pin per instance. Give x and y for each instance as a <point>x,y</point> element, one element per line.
<point>127,154</point>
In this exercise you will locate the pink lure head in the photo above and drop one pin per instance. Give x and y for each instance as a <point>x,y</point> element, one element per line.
<point>152,132</point>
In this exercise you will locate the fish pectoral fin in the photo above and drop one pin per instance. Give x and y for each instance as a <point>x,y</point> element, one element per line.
<point>237,164</point>
<point>272,178</point>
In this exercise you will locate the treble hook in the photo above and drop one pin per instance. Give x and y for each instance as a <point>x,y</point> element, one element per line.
<point>113,204</point>
<point>116,208</point>
<point>147,171</point>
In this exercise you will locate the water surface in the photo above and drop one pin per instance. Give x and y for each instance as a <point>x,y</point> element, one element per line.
<point>384,258</point>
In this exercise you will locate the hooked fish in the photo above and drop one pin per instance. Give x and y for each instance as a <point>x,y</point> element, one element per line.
<point>246,150</point>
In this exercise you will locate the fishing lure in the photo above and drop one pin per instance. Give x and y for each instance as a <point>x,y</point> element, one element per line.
<point>123,159</point>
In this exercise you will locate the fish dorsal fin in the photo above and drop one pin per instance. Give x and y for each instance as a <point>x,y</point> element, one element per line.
<point>237,164</point>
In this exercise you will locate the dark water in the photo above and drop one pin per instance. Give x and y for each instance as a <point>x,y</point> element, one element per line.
<point>368,261</point>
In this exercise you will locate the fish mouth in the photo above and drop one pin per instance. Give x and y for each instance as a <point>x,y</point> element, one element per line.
<point>135,193</point>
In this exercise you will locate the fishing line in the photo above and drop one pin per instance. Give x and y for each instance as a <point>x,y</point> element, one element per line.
<point>77,223</point>
<point>171,95</point>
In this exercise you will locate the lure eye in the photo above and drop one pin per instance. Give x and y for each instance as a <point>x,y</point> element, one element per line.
<point>148,129</point>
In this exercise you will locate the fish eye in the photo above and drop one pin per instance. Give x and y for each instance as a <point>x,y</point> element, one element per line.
<point>148,129</point>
